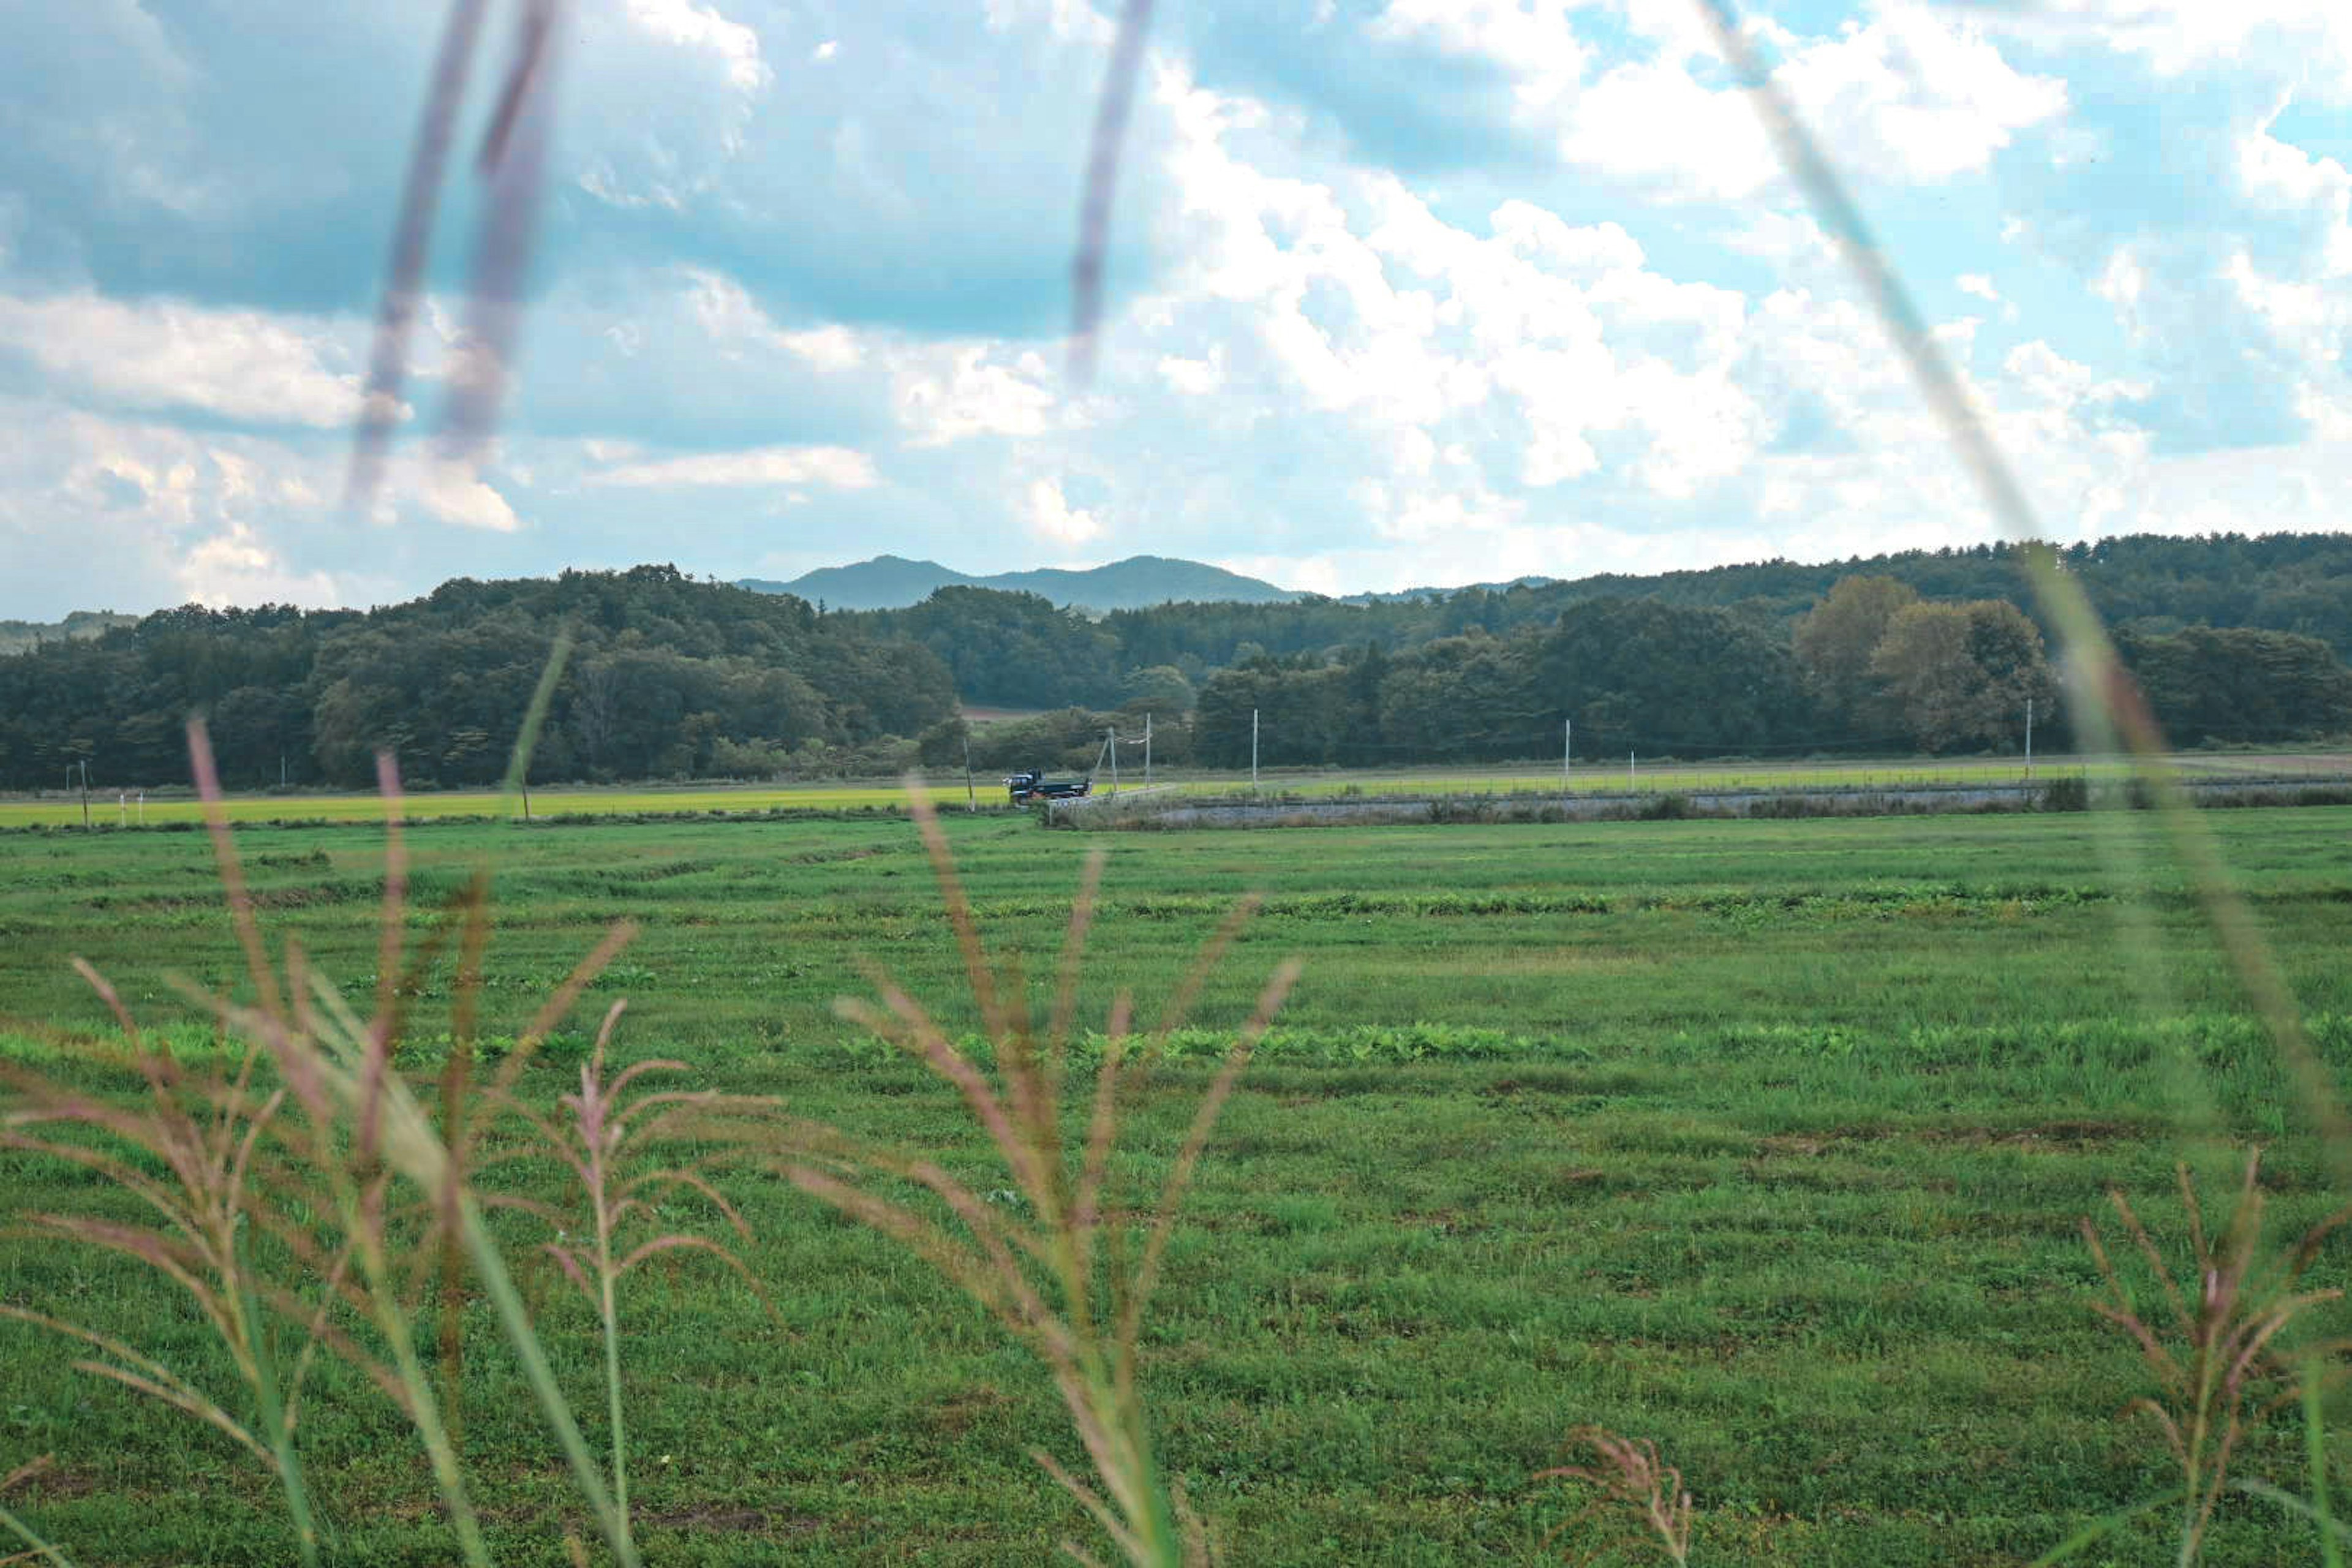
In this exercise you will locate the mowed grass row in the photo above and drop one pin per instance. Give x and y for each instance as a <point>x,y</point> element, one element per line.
<point>114,808</point>
<point>110,808</point>
<point>1767,1141</point>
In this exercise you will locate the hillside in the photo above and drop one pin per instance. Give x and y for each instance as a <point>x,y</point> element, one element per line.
<point>892,583</point>
<point>668,678</point>
<point>15,636</point>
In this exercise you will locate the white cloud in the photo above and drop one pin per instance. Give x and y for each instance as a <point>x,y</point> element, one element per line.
<point>455,492</point>
<point>834,465</point>
<point>1911,95</point>
<point>1193,377</point>
<point>2301,190</point>
<point>692,26</point>
<point>243,365</point>
<point>1914,95</point>
<point>1534,43</point>
<point>970,396</point>
<point>2304,40</point>
<point>1052,518</point>
<point>735,324</point>
<point>239,567</point>
<point>1651,123</point>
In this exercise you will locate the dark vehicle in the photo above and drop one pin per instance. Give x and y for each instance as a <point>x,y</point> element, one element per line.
<point>1026,788</point>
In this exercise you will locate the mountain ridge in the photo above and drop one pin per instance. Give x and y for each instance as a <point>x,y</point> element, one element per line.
<point>1139,582</point>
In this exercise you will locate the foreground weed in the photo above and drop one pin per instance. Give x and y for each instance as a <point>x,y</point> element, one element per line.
<point>607,1131</point>
<point>2211,1346</point>
<point>1627,1475</point>
<point>300,1190</point>
<point>206,1135</point>
<point>1072,1283</point>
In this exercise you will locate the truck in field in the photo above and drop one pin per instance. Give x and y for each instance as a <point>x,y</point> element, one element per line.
<point>1026,788</point>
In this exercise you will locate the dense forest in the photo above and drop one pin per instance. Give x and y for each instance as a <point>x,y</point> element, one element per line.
<point>1018,650</point>
<point>667,676</point>
<point>2234,640</point>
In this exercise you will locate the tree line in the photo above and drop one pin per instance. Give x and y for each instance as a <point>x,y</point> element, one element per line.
<point>1872,667</point>
<point>670,677</point>
<point>667,676</point>
<point>1019,650</point>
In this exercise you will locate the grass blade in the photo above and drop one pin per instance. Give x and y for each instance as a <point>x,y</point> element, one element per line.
<point>2314,1440</point>
<point>2099,1529</point>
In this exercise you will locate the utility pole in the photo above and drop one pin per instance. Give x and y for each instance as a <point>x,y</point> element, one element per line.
<point>970,795</point>
<point>2029,737</point>
<point>1567,748</point>
<point>122,807</point>
<point>1629,773</point>
<point>85,792</point>
<point>1110,743</point>
<point>1253,748</point>
<point>1147,751</point>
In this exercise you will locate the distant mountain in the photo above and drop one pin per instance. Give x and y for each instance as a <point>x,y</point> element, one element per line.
<point>15,636</point>
<point>892,582</point>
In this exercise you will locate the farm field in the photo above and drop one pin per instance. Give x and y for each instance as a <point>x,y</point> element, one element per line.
<point>1767,1141</point>
<point>179,809</point>
<point>108,808</point>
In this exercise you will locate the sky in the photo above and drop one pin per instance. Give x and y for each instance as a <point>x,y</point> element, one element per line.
<point>1401,293</point>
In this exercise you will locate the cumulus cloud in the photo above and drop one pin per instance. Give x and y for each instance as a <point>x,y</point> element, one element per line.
<point>456,492</point>
<point>239,567</point>
<point>1402,291</point>
<point>1053,518</point>
<point>244,365</point>
<point>974,394</point>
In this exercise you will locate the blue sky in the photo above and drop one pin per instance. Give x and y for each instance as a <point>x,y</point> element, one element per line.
<point>1403,291</point>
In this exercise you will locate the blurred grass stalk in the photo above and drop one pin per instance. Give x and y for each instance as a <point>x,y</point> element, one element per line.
<point>2109,706</point>
<point>2108,700</point>
<point>1070,1283</point>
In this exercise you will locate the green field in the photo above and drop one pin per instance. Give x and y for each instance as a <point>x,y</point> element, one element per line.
<point>1767,1141</point>
<point>110,808</point>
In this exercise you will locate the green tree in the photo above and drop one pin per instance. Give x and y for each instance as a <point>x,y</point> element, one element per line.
<point>1158,688</point>
<point>1834,643</point>
<point>1961,675</point>
<point>2207,683</point>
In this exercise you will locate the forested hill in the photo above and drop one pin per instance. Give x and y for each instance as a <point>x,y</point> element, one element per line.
<point>1018,650</point>
<point>668,675</point>
<point>2152,583</point>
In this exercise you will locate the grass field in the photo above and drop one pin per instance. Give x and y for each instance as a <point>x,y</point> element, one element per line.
<point>110,808</point>
<point>1767,1141</point>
